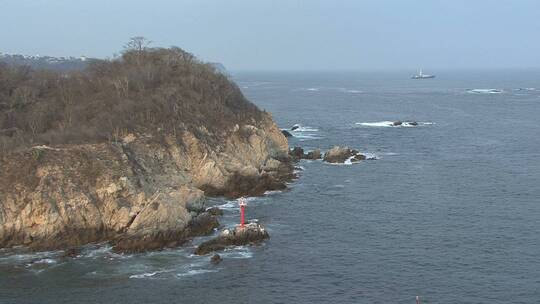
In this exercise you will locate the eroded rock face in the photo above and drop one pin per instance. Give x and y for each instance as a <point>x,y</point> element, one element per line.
<point>146,192</point>
<point>251,233</point>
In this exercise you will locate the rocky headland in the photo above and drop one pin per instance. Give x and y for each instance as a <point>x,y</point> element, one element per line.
<point>126,151</point>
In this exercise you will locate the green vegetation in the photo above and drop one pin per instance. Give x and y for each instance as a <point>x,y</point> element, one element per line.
<point>146,90</point>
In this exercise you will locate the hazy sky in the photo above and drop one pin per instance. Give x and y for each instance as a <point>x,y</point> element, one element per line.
<point>287,34</point>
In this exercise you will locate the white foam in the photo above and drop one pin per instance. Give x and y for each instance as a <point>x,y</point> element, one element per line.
<point>304,132</point>
<point>238,252</point>
<point>300,128</point>
<point>45,261</point>
<point>351,91</point>
<point>229,205</point>
<point>303,137</point>
<point>28,257</point>
<point>485,91</point>
<point>312,89</point>
<point>272,192</point>
<point>193,272</point>
<point>390,124</point>
<point>143,275</point>
<point>385,123</point>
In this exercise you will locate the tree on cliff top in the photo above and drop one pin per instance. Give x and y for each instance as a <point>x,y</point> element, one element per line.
<point>146,90</point>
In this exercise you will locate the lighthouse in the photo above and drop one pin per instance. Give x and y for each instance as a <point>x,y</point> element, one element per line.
<point>242,203</point>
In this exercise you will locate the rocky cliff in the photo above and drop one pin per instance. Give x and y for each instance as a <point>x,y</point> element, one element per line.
<point>143,188</point>
<point>133,192</point>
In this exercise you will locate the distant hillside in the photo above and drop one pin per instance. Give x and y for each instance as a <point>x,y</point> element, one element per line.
<point>98,99</point>
<point>47,62</point>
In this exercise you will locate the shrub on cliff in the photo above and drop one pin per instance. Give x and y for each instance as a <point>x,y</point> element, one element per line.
<point>146,90</point>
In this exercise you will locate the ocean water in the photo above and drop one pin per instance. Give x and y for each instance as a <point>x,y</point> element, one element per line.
<point>449,211</point>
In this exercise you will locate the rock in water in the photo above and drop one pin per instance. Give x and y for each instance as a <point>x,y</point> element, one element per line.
<point>71,253</point>
<point>295,127</point>
<point>251,233</point>
<point>314,155</point>
<point>358,157</point>
<point>202,224</point>
<point>397,123</point>
<point>215,259</point>
<point>413,123</point>
<point>339,154</point>
<point>286,133</point>
<point>297,153</point>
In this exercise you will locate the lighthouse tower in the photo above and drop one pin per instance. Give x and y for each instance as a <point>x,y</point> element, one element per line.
<point>242,203</point>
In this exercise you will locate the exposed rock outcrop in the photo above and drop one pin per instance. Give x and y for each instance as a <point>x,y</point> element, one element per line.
<point>342,154</point>
<point>297,153</point>
<point>142,193</point>
<point>251,233</point>
<point>314,155</point>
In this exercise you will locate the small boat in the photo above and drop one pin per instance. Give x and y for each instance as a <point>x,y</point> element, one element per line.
<point>421,75</point>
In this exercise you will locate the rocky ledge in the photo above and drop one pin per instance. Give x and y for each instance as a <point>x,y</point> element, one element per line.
<point>250,234</point>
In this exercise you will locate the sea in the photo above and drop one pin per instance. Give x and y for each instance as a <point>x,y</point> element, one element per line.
<point>449,209</point>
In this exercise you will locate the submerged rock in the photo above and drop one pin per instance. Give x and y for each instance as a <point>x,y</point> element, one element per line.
<point>251,233</point>
<point>295,127</point>
<point>216,259</point>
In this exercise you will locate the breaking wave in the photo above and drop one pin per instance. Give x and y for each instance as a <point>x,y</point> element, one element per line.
<point>387,123</point>
<point>304,132</point>
<point>144,275</point>
<point>485,91</point>
<point>351,91</point>
<point>193,272</point>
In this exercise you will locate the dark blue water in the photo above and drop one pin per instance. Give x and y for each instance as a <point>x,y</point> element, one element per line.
<point>450,210</point>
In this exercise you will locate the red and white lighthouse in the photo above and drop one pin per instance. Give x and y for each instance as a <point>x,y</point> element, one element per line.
<point>242,203</point>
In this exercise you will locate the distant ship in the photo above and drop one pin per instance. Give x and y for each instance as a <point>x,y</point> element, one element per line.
<point>421,75</point>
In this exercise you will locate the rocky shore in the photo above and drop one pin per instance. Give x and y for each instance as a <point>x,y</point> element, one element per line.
<point>251,233</point>
<point>142,193</point>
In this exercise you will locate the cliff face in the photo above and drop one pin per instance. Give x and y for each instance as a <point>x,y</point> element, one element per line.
<point>126,150</point>
<point>140,193</point>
